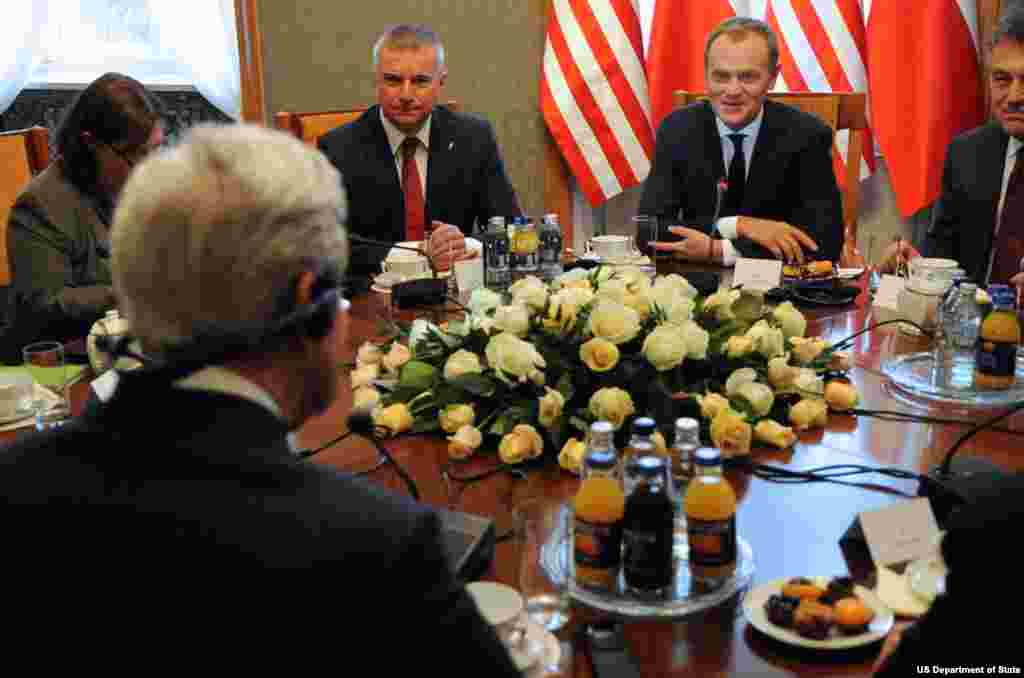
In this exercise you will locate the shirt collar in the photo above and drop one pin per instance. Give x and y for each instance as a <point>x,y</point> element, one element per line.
<point>397,136</point>
<point>1012,147</point>
<point>750,131</point>
<point>222,380</point>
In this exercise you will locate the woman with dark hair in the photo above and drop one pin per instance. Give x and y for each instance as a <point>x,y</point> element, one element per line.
<point>58,234</point>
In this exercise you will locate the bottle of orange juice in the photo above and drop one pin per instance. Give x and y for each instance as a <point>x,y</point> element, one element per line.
<point>599,507</point>
<point>710,506</point>
<point>995,362</point>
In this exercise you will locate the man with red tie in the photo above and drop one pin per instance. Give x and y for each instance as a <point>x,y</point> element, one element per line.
<point>979,218</point>
<point>414,170</point>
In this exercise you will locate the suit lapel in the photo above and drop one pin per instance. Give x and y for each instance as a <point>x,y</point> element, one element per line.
<point>713,152</point>
<point>439,161</point>
<point>380,158</point>
<point>990,171</point>
<point>765,151</point>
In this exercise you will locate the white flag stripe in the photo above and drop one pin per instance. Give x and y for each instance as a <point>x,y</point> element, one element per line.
<point>799,48</point>
<point>842,43</point>
<point>588,144</point>
<point>602,91</point>
<point>968,9</point>
<point>740,7</point>
<point>621,46</point>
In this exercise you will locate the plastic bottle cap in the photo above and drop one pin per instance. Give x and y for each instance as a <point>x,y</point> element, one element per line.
<point>687,425</point>
<point>647,466</point>
<point>600,459</point>
<point>644,426</point>
<point>707,456</point>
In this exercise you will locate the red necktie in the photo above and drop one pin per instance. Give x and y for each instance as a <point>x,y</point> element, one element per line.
<point>1009,244</point>
<point>414,207</point>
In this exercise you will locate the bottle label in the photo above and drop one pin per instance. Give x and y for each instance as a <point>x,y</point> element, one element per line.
<point>996,358</point>
<point>597,545</point>
<point>647,554</point>
<point>712,542</point>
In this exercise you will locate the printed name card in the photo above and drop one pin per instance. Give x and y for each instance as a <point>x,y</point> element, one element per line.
<point>469,274</point>
<point>888,294</point>
<point>901,532</point>
<point>757,274</point>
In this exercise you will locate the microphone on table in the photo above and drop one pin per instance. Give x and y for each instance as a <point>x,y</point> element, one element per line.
<point>411,293</point>
<point>360,423</point>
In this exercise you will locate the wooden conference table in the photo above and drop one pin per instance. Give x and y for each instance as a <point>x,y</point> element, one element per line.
<point>793,530</point>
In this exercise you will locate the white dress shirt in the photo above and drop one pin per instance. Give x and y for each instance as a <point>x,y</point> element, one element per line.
<point>1011,159</point>
<point>396,138</point>
<point>727,226</point>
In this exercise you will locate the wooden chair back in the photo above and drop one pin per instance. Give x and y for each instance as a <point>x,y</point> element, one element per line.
<point>23,153</point>
<point>311,126</point>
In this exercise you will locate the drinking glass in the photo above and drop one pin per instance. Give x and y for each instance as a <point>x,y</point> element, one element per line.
<point>44,360</point>
<point>547,603</point>
<point>647,230</point>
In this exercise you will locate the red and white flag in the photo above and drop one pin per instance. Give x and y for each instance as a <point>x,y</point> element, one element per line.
<point>675,56</point>
<point>593,94</point>
<point>925,89</point>
<point>823,48</point>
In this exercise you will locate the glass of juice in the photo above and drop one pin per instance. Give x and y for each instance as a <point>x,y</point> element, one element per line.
<point>44,360</point>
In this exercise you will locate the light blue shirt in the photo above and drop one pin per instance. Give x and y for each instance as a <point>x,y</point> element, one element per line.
<point>726,226</point>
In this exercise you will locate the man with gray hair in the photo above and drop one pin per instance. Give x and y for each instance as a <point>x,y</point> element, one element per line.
<point>227,255</point>
<point>415,170</point>
<point>745,176</point>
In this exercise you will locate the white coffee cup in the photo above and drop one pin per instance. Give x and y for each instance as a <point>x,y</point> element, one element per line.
<point>411,266</point>
<point>15,394</point>
<point>610,246</point>
<point>502,607</point>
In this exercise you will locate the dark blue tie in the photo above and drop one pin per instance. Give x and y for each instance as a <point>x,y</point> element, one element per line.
<point>737,178</point>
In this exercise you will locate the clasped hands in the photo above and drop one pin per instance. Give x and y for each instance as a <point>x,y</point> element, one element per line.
<point>446,246</point>
<point>782,240</point>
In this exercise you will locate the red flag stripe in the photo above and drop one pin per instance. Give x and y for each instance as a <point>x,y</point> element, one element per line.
<point>567,145</point>
<point>631,25</point>
<point>817,36</point>
<point>790,72</point>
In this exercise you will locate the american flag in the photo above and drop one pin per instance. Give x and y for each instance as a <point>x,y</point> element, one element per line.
<point>593,94</point>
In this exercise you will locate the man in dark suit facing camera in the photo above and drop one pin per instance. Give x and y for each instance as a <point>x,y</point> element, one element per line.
<point>175,506</point>
<point>409,164</point>
<point>744,175</point>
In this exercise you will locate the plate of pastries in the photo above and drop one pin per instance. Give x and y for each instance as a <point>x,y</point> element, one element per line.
<point>809,270</point>
<point>818,612</point>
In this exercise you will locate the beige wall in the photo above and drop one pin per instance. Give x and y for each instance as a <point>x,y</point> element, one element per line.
<point>317,57</point>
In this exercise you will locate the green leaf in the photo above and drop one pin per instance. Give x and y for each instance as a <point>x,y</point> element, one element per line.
<point>477,384</point>
<point>426,425</point>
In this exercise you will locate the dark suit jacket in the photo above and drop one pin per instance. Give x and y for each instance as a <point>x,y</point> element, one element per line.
<point>166,501</point>
<point>790,179</point>
<point>466,180</point>
<point>965,214</point>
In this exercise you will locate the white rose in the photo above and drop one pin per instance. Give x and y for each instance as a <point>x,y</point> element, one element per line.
<point>720,304</point>
<point>365,398</point>
<point>696,338</point>
<point>368,354</point>
<point>749,305</point>
<point>780,373</point>
<point>768,341</point>
<point>792,321</point>
<point>364,375</point>
<point>530,292</point>
<point>573,278</point>
<point>665,348</point>
<point>483,300</point>
<point>673,285</point>
<point>808,382</point>
<point>759,396</point>
<point>512,357</point>
<point>612,405</point>
<point>514,319</point>
<point>465,441</point>
<point>420,328</point>
<point>550,407</point>
<point>613,321</point>
<point>738,378</point>
<point>613,290</point>
<point>454,417</point>
<point>396,357</point>
<point>462,362</point>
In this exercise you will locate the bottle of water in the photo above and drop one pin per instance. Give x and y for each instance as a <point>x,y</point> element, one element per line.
<point>550,253</point>
<point>967,318</point>
<point>497,272</point>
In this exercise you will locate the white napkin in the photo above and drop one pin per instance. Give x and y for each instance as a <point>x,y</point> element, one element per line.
<point>38,393</point>
<point>894,590</point>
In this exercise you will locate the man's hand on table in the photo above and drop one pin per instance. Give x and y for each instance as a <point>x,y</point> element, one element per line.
<point>695,245</point>
<point>447,245</point>
<point>899,251</point>
<point>786,242</point>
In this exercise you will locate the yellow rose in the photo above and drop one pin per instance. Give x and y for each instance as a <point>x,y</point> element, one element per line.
<point>792,321</point>
<point>730,433</point>
<point>759,396</point>
<point>808,413</point>
<point>530,292</point>
<point>465,442</point>
<point>739,346</point>
<point>563,307</point>
<point>462,362</point>
<point>365,398</point>
<point>612,405</point>
<point>711,404</point>
<point>550,407</point>
<point>840,361</point>
<point>774,433</point>
<point>805,350</point>
<point>521,444</point>
<point>364,375</point>
<point>665,348</point>
<point>613,321</point>
<point>515,358</point>
<point>659,443</point>
<point>396,357</point>
<point>780,373</point>
<point>454,417</point>
<point>514,319</point>
<point>841,396</point>
<point>571,456</point>
<point>395,418</point>
<point>600,355</point>
<point>368,354</point>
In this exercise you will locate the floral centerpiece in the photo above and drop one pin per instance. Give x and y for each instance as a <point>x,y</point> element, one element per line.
<point>527,372</point>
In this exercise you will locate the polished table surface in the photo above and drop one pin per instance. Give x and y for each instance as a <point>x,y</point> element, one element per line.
<point>792,529</point>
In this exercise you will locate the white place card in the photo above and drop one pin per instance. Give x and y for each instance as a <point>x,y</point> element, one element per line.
<point>757,274</point>
<point>104,385</point>
<point>901,532</point>
<point>888,294</point>
<point>469,274</point>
